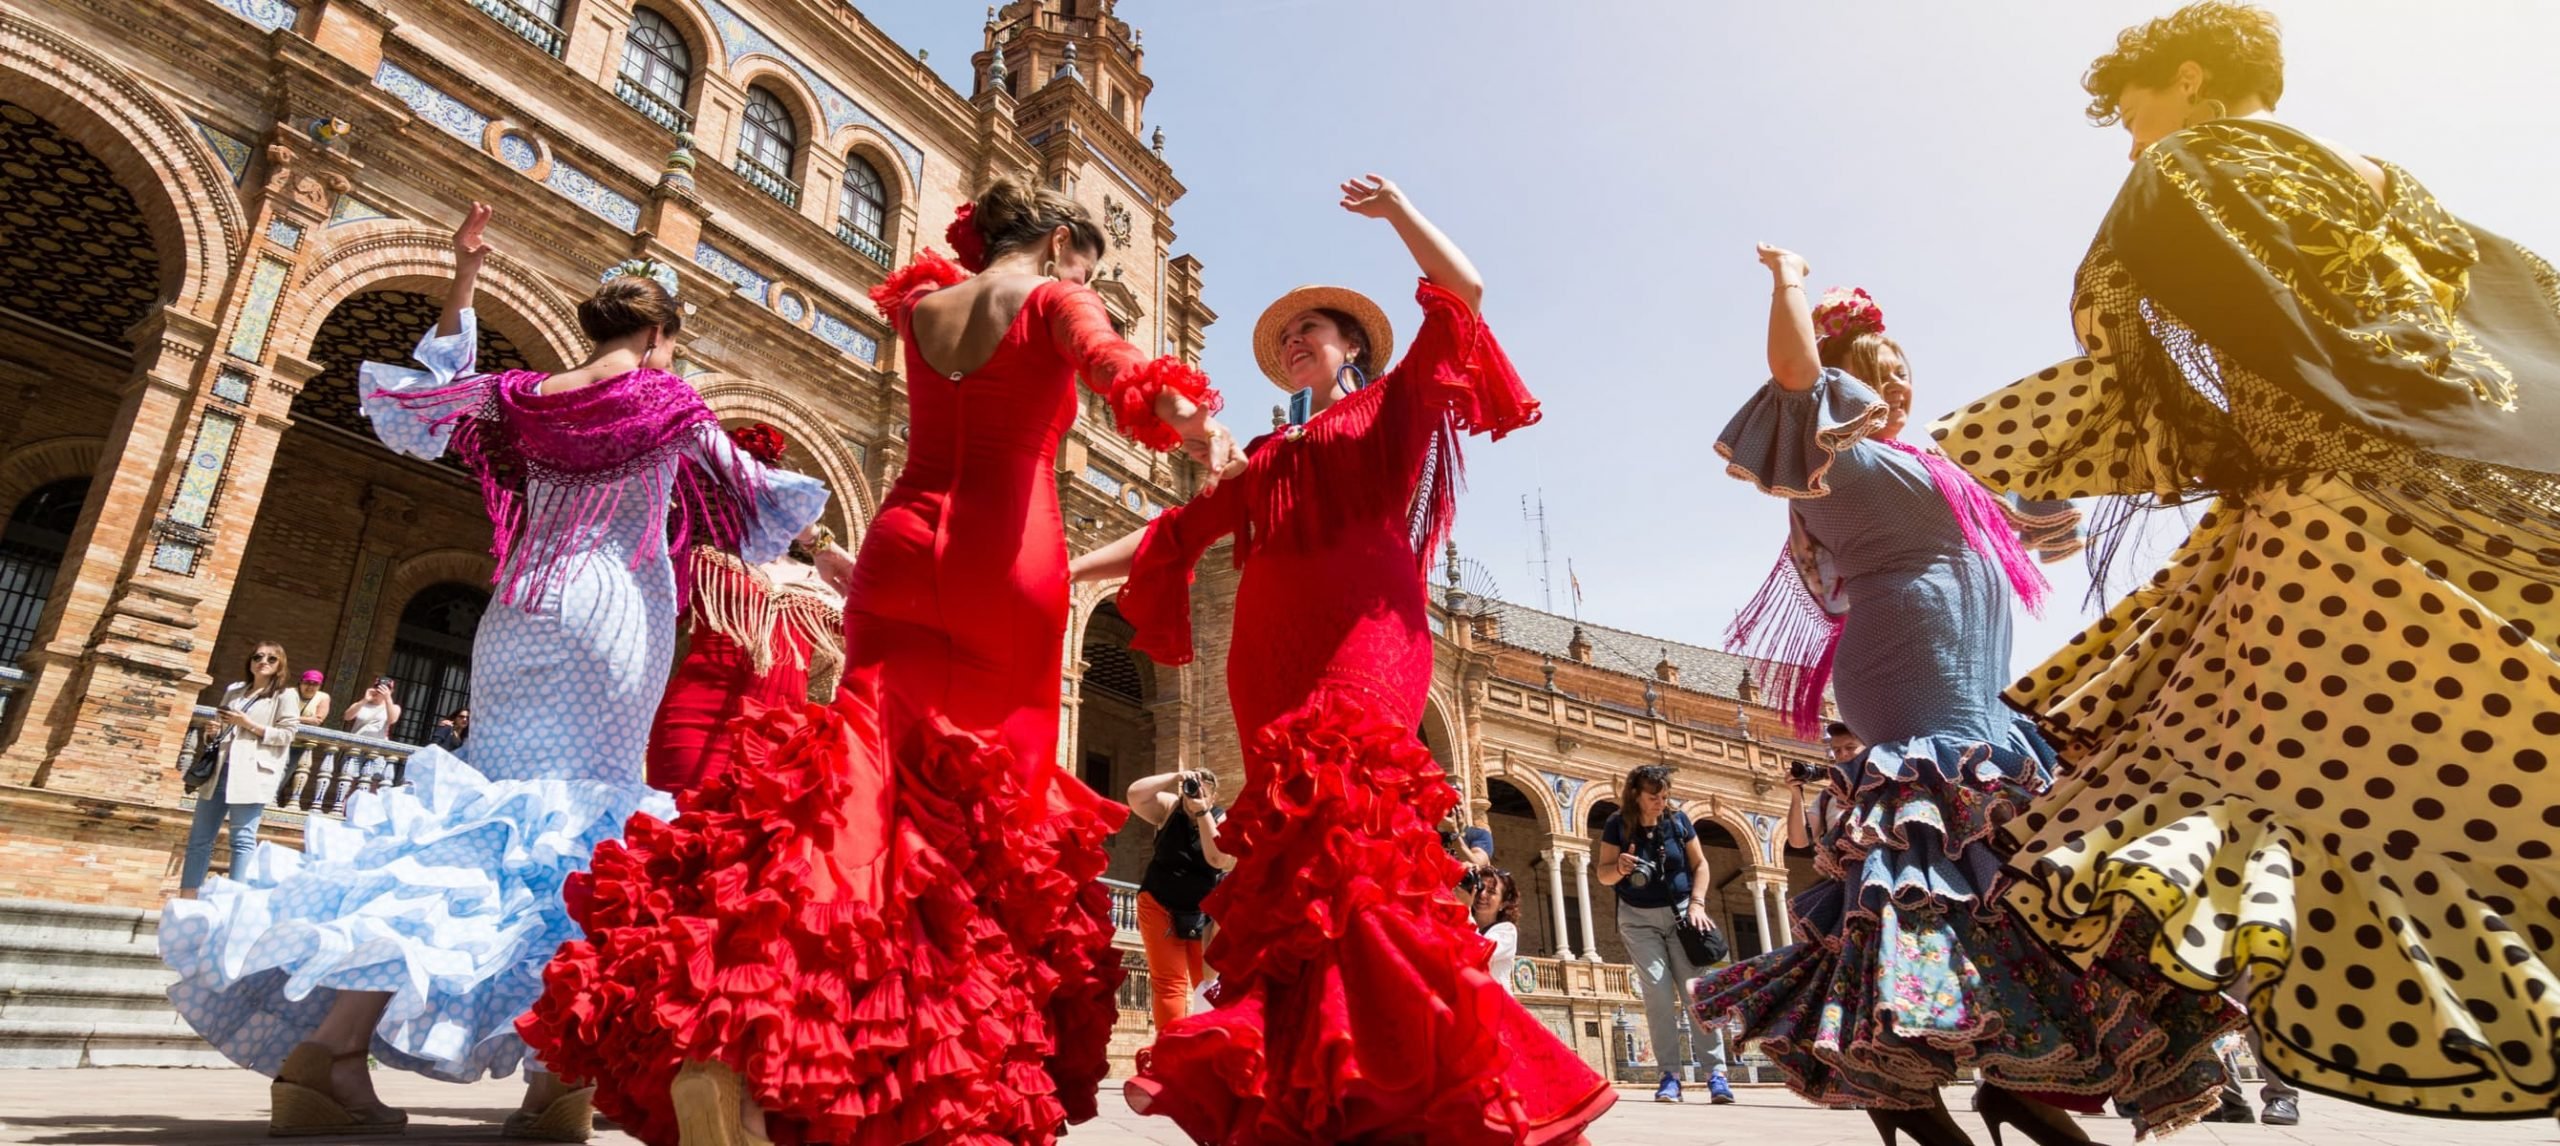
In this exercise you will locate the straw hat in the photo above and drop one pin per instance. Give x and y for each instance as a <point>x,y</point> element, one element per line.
<point>1267,331</point>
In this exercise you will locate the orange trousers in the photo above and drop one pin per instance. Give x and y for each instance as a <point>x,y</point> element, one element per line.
<point>1174,966</point>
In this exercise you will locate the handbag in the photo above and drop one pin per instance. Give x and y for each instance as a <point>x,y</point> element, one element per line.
<point>208,761</point>
<point>1705,948</point>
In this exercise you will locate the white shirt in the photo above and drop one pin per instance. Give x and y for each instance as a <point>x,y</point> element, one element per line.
<point>1506,951</point>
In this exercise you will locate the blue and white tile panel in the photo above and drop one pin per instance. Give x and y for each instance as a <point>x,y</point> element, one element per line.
<point>749,282</point>
<point>433,104</point>
<point>267,14</point>
<point>846,337</point>
<point>583,190</point>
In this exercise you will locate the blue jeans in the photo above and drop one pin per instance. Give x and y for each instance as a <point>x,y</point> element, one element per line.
<point>211,811</point>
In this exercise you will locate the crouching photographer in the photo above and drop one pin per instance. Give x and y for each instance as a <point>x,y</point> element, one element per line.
<point>1187,865</point>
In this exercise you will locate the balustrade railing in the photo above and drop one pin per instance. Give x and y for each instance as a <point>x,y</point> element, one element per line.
<point>324,767</point>
<point>534,29</point>
<point>768,180</point>
<point>871,246</point>
<point>1582,979</point>
<point>662,111</point>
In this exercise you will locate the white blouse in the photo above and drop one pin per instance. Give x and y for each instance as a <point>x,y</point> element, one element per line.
<point>1506,951</point>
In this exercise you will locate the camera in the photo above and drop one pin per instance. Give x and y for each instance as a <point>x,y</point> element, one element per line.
<point>1643,872</point>
<point>1804,771</point>
<point>1191,786</point>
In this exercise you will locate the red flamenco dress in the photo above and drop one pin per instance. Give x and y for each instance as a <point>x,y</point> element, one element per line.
<point>885,916</point>
<point>753,645</point>
<point>1353,1003</point>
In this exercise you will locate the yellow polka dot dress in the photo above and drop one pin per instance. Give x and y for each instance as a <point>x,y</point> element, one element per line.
<point>2316,745</point>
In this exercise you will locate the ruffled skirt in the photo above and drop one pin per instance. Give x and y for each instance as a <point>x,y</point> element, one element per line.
<point>1909,971</point>
<point>1352,1002</point>
<point>446,893</point>
<point>889,947</point>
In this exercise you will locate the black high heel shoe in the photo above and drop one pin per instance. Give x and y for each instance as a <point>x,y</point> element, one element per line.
<point>1931,1127</point>
<point>2042,1124</point>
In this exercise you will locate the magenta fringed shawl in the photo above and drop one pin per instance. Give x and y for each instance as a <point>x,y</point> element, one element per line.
<point>1792,638</point>
<point>588,443</point>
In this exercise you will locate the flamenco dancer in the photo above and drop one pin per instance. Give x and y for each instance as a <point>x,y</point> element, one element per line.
<point>882,924</point>
<point>2306,760</point>
<point>1903,570</point>
<point>761,636</point>
<point>1353,1003</point>
<point>415,932</point>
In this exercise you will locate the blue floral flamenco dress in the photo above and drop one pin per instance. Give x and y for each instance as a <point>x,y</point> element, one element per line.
<point>446,892</point>
<point>1908,970</point>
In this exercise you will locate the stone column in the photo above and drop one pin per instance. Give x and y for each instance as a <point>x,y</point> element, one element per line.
<point>1760,910</point>
<point>1778,911</point>
<point>1555,897</point>
<point>1582,880</point>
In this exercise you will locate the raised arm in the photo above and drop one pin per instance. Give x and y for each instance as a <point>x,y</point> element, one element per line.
<point>1160,402</point>
<point>1441,261</point>
<point>1794,361</point>
<point>469,248</point>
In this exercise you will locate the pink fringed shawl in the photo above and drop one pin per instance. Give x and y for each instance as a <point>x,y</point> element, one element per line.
<point>1792,636</point>
<point>588,443</point>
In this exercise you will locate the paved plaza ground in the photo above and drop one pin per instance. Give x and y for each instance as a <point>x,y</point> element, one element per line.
<point>192,1107</point>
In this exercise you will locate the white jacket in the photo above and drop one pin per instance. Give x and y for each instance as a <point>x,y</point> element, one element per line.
<point>257,763</point>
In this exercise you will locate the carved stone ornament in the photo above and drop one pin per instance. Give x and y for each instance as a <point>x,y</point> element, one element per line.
<point>1115,219</point>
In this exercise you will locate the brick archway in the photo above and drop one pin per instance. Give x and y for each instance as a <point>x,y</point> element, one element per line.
<point>409,256</point>
<point>406,580</point>
<point>736,399</point>
<point>186,196</point>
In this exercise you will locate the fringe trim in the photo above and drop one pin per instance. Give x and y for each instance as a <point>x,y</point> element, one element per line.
<point>1790,640</point>
<point>735,600</point>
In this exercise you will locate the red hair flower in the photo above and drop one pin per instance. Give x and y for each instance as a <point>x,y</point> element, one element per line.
<point>760,441</point>
<point>968,245</point>
<point>1844,313</point>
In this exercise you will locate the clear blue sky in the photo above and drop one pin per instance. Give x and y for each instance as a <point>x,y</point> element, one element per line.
<point>1609,164</point>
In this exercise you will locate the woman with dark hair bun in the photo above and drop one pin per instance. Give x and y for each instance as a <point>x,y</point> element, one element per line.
<point>883,923</point>
<point>2305,759</point>
<point>1907,971</point>
<point>414,933</point>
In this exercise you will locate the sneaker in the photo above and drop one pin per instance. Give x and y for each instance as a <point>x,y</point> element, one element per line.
<point>1669,1091</point>
<point>1718,1091</point>
<point>2281,1112</point>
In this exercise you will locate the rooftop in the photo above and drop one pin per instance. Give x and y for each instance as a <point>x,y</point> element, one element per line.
<point>1711,671</point>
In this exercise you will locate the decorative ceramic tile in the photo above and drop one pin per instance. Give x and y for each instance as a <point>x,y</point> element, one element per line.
<point>360,613</point>
<point>349,209</point>
<point>846,337</point>
<point>284,234</point>
<point>231,386</point>
<point>743,39</point>
<point>1102,480</point>
<point>518,151</point>
<point>791,306</point>
<point>432,104</point>
<point>230,149</point>
<point>249,339</point>
<point>861,454</point>
<point>718,262</point>
<point>214,435</point>
<point>174,557</point>
<point>267,14</point>
<point>582,189</point>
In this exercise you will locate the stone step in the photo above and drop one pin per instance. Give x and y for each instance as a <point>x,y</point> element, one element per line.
<point>86,960</point>
<point>32,919</point>
<point>45,998</point>
<point>60,1044</point>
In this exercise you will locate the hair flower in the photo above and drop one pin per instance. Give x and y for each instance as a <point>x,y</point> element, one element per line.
<point>1847,312</point>
<point>968,244</point>
<point>650,269</point>
<point>760,441</point>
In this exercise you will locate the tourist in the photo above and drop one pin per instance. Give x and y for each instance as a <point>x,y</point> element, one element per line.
<point>451,731</point>
<point>1352,1001</point>
<point>1497,912</point>
<point>259,715</point>
<point>759,636</point>
<point>1650,856</point>
<point>1933,563</point>
<point>2310,750</point>
<point>414,932</point>
<point>1184,867</point>
<point>907,875</point>
<point>374,715</point>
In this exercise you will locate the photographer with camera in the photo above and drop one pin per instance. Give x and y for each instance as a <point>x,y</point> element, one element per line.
<point>1807,820</point>
<point>1649,854</point>
<point>1187,864</point>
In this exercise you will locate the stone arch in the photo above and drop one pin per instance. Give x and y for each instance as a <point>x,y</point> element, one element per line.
<point>409,256</point>
<point>701,37</point>
<point>1532,786</point>
<point>409,577</point>
<point>187,197</point>
<point>809,116</point>
<point>733,397</point>
<point>875,149</point>
<point>38,464</point>
<point>1444,744</point>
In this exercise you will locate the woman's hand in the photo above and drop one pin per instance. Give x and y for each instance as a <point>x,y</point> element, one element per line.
<point>1626,864</point>
<point>468,244</point>
<point>1217,452</point>
<point>1786,267</point>
<point>235,718</point>
<point>1698,917</point>
<point>1372,196</point>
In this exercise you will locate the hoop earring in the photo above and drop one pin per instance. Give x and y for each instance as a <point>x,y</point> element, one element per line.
<point>1049,268</point>
<point>1357,379</point>
<point>2204,111</point>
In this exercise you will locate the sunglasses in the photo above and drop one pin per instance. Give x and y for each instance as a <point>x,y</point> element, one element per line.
<point>264,659</point>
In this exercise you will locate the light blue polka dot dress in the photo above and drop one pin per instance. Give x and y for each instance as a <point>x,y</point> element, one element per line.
<point>447,892</point>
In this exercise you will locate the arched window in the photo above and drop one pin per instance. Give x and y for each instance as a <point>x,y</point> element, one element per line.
<point>31,551</point>
<point>862,209</point>
<point>766,140</point>
<point>431,657</point>
<point>657,67</point>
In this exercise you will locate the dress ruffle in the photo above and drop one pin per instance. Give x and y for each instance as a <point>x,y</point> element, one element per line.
<point>1353,1004</point>
<point>445,892</point>
<point>1783,441</point>
<point>810,923</point>
<point>1133,400</point>
<point>1909,970</point>
<point>928,272</point>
